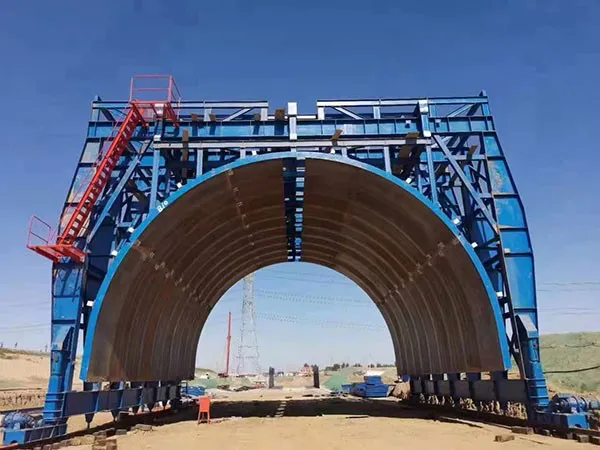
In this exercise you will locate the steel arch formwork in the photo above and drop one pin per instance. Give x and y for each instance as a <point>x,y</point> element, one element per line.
<point>441,156</point>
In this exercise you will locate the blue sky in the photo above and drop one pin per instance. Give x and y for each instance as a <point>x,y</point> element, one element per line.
<point>538,61</point>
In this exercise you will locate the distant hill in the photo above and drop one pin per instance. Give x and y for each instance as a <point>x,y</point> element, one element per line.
<point>572,351</point>
<point>560,352</point>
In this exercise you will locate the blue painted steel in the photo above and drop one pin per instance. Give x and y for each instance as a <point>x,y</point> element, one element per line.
<point>67,302</point>
<point>478,390</point>
<point>345,388</point>
<point>193,391</point>
<point>90,402</point>
<point>309,129</point>
<point>446,149</point>
<point>17,420</point>
<point>568,411</point>
<point>372,387</point>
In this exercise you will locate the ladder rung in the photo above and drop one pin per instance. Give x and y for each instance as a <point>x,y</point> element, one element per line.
<point>118,142</point>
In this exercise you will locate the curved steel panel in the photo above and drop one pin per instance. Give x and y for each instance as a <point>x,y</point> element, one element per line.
<point>399,248</point>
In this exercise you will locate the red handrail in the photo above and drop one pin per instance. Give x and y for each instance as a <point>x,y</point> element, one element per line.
<point>63,246</point>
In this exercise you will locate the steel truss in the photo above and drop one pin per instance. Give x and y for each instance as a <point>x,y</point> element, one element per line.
<point>446,148</point>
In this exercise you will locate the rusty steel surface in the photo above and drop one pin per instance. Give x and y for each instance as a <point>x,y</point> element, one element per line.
<point>360,224</point>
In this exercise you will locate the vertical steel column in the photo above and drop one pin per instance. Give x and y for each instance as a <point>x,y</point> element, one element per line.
<point>67,301</point>
<point>518,268</point>
<point>386,159</point>
<point>155,180</point>
<point>423,112</point>
<point>199,163</point>
<point>433,195</point>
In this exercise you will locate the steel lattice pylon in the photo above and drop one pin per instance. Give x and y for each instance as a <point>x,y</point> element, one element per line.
<point>334,172</point>
<point>248,355</point>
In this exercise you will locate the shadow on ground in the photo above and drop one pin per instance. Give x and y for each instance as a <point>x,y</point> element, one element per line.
<point>351,408</point>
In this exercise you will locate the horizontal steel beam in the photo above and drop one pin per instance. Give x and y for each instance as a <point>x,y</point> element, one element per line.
<point>320,103</point>
<point>502,390</point>
<point>310,129</point>
<point>401,102</point>
<point>192,104</point>
<point>90,402</point>
<point>292,144</point>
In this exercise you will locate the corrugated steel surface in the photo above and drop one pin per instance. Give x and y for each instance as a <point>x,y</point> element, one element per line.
<point>355,221</point>
<point>408,261</point>
<point>159,299</point>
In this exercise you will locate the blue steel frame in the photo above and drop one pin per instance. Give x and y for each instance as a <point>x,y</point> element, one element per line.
<point>445,148</point>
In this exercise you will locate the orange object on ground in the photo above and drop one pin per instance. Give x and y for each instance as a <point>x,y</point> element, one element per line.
<point>204,408</point>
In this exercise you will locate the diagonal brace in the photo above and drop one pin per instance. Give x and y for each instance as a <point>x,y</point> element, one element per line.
<point>459,172</point>
<point>236,114</point>
<point>347,112</point>
<point>115,195</point>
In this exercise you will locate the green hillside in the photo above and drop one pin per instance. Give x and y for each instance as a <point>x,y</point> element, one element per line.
<point>572,351</point>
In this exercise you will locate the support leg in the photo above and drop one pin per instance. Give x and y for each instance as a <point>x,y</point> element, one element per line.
<point>66,316</point>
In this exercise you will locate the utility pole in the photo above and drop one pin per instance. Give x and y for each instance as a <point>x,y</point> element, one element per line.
<point>228,345</point>
<point>248,344</point>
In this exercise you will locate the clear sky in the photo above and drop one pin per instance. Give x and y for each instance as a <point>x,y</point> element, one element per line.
<point>538,60</point>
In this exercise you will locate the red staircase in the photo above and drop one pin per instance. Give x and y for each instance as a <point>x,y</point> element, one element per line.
<point>64,246</point>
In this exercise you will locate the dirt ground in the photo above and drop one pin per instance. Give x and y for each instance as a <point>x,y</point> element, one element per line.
<point>28,370</point>
<point>345,424</point>
<point>334,432</point>
<point>288,420</point>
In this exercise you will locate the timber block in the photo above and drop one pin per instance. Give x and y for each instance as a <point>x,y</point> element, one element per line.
<point>504,438</point>
<point>522,430</point>
<point>583,438</point>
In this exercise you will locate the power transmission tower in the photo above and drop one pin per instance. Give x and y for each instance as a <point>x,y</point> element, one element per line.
<point>247,360</point>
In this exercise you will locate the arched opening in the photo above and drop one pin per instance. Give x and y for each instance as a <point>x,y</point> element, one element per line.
<point>391,241</point>
<point>291,317</point>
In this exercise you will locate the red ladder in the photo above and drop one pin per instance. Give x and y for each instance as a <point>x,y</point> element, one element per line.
<point>65,243</point>
<point>142,109</point>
